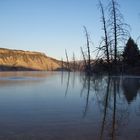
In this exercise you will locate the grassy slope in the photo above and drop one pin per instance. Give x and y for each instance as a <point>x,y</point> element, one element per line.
<point>18,60</point>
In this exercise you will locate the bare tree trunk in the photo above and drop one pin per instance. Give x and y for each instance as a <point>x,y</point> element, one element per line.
<point>68,65</point>
<point>74,62</point>
<point>115,30</point>
<point>84,58</point>
<point>105,32</point>
<point>88,48</point>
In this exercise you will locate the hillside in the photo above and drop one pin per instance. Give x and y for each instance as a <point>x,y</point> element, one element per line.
<point>26,60</point>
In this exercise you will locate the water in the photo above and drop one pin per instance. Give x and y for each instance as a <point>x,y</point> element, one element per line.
<point>68,106</point>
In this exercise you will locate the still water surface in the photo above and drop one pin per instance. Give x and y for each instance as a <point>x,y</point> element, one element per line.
<point>68,106</point>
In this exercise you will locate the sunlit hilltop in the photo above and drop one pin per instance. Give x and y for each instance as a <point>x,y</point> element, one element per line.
<point>26,60</point>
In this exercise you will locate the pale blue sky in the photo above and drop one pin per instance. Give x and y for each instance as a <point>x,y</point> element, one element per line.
<point>51,26</point>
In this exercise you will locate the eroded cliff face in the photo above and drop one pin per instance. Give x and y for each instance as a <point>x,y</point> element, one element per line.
<point>26,60</point>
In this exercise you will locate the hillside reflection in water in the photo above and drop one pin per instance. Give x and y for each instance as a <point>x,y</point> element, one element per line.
<point>68,106</point>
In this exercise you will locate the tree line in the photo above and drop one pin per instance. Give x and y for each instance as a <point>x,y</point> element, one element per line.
<point>117,52</point>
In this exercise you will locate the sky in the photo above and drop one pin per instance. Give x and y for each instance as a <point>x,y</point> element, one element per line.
<point>51,26</point>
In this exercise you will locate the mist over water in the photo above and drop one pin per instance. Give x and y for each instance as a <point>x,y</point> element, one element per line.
<point>68,106</point>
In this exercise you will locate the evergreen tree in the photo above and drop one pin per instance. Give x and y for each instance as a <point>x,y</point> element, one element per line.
<point>131,52</point>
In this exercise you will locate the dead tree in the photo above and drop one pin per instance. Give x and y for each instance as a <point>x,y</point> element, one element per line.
<point>105,38</point>
<point>88,70</point>
<point>74,62</point>
<point>68,65</point>
<point>117,27</point>
<point>114,8</point>
<point>84,59</point>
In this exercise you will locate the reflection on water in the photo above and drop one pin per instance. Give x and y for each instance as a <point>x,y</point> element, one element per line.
<point>68,106</point>
<point>131,87</point>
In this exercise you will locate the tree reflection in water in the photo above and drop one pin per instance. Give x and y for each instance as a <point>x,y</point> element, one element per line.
<point>130,88</point>
<point>87,96</point>
<point>113,94</point>
<point>67,86</point>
